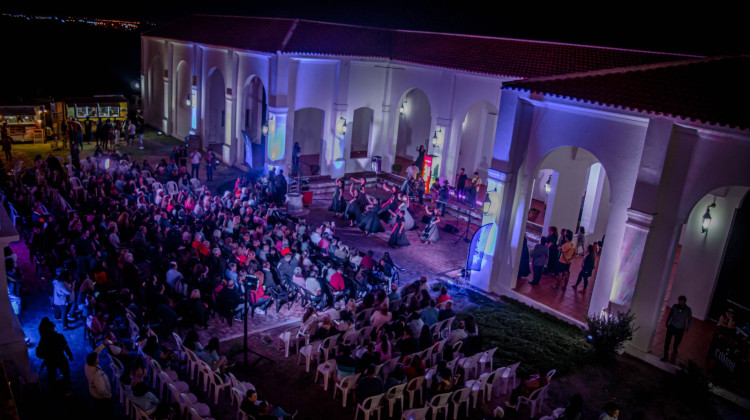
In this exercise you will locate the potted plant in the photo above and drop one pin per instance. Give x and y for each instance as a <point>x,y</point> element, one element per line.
<point>396,168</point>
<point>608,334</point>
<point>533,214</point>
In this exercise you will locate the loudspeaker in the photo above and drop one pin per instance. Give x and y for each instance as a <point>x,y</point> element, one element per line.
<point>426,219</point>
<point>450,228</point>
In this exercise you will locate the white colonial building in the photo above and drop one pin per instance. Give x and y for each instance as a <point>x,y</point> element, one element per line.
<point>632,145</point>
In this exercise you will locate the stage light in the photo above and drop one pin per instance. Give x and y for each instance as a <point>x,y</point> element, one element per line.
<point>706,221</point>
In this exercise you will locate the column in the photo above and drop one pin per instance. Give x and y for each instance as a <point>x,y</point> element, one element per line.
<point>488,250</point>
<point>228,125</point>
<point>276,137</point>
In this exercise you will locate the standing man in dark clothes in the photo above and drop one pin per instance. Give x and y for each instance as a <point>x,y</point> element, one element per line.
<point>461,184</point>
<point>679,320</point>
<point>539,256</point>
<point>87,132</point>
<point>52,348</point>
<point>7,146</point>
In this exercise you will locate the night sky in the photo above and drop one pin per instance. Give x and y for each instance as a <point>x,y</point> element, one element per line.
<point>62,60</point>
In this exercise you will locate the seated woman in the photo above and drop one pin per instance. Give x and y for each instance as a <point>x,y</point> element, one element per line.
<point>526,388</point>
<point>144,399</point>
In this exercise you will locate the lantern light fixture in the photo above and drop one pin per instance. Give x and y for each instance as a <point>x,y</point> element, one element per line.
<point>706,220</point>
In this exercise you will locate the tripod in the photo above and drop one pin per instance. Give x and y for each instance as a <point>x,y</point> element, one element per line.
<point>246,350</point>
<point>465,234</point>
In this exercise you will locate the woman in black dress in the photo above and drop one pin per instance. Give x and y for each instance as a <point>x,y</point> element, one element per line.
<point>430,234</point>
<point>370,222</point>
<point>338,204</point>
<point>398,234</point>
<point>391,205</point>
<point>355,207</point>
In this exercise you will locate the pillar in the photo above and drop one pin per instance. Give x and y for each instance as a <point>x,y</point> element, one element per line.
<point>488,277</point>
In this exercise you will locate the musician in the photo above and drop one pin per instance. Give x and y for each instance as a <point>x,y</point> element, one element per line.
<point>472,190</point>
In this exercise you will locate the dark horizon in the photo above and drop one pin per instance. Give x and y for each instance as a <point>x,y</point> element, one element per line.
<point>646,27</point>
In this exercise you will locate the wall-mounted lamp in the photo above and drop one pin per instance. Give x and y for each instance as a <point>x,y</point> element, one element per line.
<point>548,186</point>
<point>487,205</point>
<point>706,221</point>
<point>188,101</point>
<point>341,126</point>
<point>265,129</point>
<point>402,110</point>
<point>436,140</point>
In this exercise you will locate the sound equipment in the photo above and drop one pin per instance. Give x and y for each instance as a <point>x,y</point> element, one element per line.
<point>450,228</point>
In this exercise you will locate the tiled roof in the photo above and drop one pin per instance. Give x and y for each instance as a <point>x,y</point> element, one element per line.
<point>254,34</point>
<point>496,56</point>
<point>705,90</point>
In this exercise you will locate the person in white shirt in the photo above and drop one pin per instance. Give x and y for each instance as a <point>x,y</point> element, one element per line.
<point>457,334</point>
<point>195,163</point>
<point>99,386</point>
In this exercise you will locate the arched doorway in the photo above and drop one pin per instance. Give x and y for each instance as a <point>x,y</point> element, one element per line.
<point>709,269</point>
<point>308,131</point>
<point>183,112</point>
<point>477,139</point>
<point>252,149</point>
<point>414,123</point>
<point>361,132</point>
<point>570,189</point>
<point>215,111</point>
<point>156,92</point>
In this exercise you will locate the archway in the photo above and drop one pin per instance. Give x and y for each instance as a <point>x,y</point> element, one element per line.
<point>308,131</point>
<point>156,92</point>
<point>183,112</point>
<point>252,149</point>
<point>215,111</point>
<point>709,269</point>
<point>361,132</point>
<point>477,139</point>
<point>414,123</point>
<point>570,189</point>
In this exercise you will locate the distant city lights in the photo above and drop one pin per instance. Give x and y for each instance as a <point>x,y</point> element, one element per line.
<point>128,25</point>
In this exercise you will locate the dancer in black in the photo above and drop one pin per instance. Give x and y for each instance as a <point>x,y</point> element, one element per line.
<point>398,234</point>
<point>338,204</point>
<point>370,222</point>
<point>431,233</point>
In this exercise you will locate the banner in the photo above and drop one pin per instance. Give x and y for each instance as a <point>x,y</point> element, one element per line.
<point>478,247</point>
<point>248,149</point>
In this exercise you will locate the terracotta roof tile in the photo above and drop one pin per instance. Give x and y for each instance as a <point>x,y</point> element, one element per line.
<point>496,56</point>
<point>704,90</point>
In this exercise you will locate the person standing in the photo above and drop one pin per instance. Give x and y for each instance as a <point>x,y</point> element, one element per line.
<point>567,252</point>
<point>131,132</point>
<point>539,257</point>
<point>99,386</point>
<point>61,298</point>
<point>7,146</point>
<point>421,150</point>
<point>587,268</point>
<point>476,183</point>
<point>52,348</point>
<point>398,233</point>
<point>195,163</point>
<point>679,320</point>
<point>461,184</point>
<point>139,127</point>
<point>581,240</point>
<point>296,152</point>
<point>210,164</point>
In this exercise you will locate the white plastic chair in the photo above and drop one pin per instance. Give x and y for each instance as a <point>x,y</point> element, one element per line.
<point>415,414</point>
<point>389,366</point>
<point>460,396</point>
<point>368,406</point>
<point>156,186</point>
<point>484,365</point>
<point>439,403</point>
<point>469,365</point>
<point>172,188</point>
<point>395,393</point>
<point>217,383</point>
<point>195,184</point>
<point>326,369</point>
<point>536,399</point>
<point>414,386</point>
<point>345,385</point>
<point>506,376</point>
<point>204,373</point>
<point>308,352</point>
<point>328,345</point>
<point>489,382</point>
<point>477,386</point>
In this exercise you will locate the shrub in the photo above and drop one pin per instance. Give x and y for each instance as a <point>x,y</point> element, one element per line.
<point>608,334</point>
